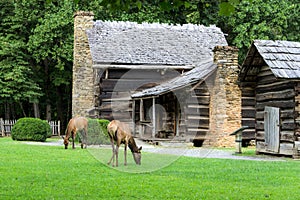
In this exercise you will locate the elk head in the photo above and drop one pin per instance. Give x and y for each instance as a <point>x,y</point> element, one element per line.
<point>66,142</point>
<point>137,156</point>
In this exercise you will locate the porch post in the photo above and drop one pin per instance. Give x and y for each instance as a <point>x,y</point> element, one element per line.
<point>133,117</point>
<point>153,118</point>
<point>141,118</point>
<point>177,119</point>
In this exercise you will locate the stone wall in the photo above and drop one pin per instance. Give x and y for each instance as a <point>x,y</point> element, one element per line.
<point>225,106</point>
<point>83,83</point>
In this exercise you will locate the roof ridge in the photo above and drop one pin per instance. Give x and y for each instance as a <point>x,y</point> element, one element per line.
<point>131,24</point>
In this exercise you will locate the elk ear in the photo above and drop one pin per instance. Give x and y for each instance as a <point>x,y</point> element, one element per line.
<point>140,148</point>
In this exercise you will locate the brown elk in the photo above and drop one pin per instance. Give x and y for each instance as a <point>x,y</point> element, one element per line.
<point>76,124</point>
<point>120,133</point>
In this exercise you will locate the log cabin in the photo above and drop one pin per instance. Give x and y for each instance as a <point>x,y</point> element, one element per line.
<point>270,85</point>
<point>116,61</point>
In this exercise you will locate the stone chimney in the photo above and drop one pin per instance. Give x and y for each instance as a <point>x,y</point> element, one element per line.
<point>83,83</point>
<point>225,106</point>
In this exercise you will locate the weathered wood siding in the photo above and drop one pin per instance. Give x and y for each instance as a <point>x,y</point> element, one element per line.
<point>248,110</point>
<point>116,85</point>
<point>197,112</point>
<point>297,111</point>
<point>280,94</point>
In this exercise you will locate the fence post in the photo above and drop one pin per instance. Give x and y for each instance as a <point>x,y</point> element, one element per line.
<point>2,127</point>
<point>58,128</point>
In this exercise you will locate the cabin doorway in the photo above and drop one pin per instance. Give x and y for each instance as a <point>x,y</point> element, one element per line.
<point>272,129</point>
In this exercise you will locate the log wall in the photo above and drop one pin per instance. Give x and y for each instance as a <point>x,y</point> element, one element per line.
<point>116,86</point>
<point>197,113</point>
<point>281,94</point>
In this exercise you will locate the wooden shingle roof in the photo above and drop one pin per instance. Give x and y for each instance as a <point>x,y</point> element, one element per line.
<point>283,58</point>
<point>155,44</point>
<point>199,73</point>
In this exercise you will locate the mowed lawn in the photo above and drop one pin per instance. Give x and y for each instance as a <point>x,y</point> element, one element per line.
<point>51,172</point>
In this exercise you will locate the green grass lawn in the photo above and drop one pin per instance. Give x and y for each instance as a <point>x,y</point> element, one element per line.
<point>51,172</point>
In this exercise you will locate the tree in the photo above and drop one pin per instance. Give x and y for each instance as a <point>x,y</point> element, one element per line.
<point>16,83</point>
<point>51,46</point>
<point>261,19</point>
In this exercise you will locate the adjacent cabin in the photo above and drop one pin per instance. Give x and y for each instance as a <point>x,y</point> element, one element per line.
<point>116,64</point>
<point>270,85</point>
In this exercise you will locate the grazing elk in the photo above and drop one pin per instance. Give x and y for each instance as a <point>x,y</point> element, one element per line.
<point>76,124</point>
<point>120,133</point>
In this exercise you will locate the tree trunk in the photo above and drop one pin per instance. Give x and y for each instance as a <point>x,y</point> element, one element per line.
<point>36,110</point>
<point>22,108</point>
<point>7,110</point>
<point>47,92</point>
<point>48,112</point>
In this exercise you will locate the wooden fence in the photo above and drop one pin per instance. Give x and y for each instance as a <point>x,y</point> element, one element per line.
<point>6,126</point>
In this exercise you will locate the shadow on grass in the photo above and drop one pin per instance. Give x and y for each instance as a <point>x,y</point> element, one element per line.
<point>150,161</point>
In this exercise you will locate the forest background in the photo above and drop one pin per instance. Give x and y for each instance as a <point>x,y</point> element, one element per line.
<point>36,41</point>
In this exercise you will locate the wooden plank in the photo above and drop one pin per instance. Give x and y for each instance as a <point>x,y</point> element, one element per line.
<point>250,82</point>
<point>204,100</point>
<point>265,72</point>
<point>288,136</point>
<point>250,122</point>
<point>248,113</point>
<point>259,125</point>
<point>277,86</point>
<point>284,114</point>
<point>288,125</point>
<point>271,127</point>
<point>286,149</point>
<point>107,96</point>
<point>266,79</point>
<point>285,104</point>
<point>198,111</point>
<point>133,116</point>
<point>289,114</point>
<point>142,115</point>
<point>153,118</point>
<point>285,94</point>
<point>121,85</point>
<point>248,101</point>
<point>261,146</point>
<point>260,135</point>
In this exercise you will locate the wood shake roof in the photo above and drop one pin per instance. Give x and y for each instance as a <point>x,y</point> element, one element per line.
<point>283,58</point>
<point>199,73</point>
<point>154,44</point>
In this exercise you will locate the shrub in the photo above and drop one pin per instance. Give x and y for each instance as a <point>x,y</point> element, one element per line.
<point>103,125</point>
<point>97,132</point>
<point>31,129</point>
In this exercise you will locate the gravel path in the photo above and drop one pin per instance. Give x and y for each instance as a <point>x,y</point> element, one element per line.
<point>202,152</point>
<point>181,150</point>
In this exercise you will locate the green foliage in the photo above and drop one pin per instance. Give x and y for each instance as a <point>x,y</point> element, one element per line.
<point>97,132</point>
<point>103,125</point>
<point>31,129</point>
<point>36,38</point>
<point>16,83</point>
<point>269,20</point>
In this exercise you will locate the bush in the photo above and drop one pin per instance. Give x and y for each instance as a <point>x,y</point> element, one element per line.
<point>103,125</point>
<point>31,129</point>
<point>97,132</point>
